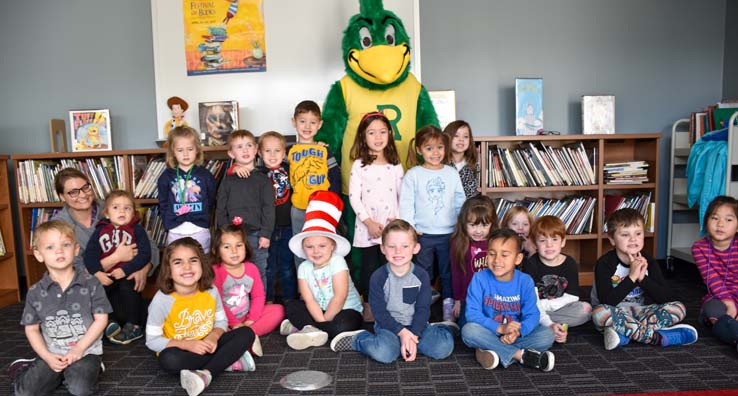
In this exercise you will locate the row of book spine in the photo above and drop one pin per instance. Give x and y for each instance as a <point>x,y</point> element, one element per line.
<point>152,222</point>
<point>145,185</point>
<point>576,212</point>
<point>36,177</point>
<point>529,165</point>
<point>638,201</point>
<point>38,217</point>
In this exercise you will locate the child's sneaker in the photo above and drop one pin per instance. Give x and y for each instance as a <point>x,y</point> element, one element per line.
<point>452,326</point>
<point>112,329</point>
<point>244,363</point>
<point>256,347</point>
<point>286,328</point>
<point>448,310</point>
<point>345,341</point>
<point>543,361</point>
<point>130,333</point>
<point>194,381</point>
<point>613,339</point>
<point>307,337</point>
<point>435,296</point>
<point>681,334</point>
<point>18,366</point>
<point>488,359</point>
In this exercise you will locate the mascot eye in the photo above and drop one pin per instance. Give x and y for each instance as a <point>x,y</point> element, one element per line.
<point>389,35</point>
<point>366,37</point>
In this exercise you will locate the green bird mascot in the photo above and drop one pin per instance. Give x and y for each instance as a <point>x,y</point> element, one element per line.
<point>376,56</point>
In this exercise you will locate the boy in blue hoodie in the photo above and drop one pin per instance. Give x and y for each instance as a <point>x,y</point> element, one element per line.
<point>501,311</point>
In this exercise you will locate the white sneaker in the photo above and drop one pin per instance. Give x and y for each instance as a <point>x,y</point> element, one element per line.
<point>256,347</point>
<point>486,358</point>
<point>307,337</point>
<point>286,328</point>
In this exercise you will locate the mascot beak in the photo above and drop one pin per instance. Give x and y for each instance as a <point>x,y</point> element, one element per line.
<point>380,64</point>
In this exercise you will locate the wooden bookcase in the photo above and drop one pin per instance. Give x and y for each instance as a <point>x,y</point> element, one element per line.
<point>9,290</point>
<point>35,270</point>
<point>586,248</point>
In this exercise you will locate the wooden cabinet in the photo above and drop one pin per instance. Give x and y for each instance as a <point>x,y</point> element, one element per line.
<point>9,291</point>
<point>119,163</point>
<point>588,247</point>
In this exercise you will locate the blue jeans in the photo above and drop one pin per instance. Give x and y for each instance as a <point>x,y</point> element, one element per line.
<point>259,256</point>
<point>39,379</point>
<point>726,328</point>
<point>281,261</point>
<point>437,245</point>
<point>436,342</point>
<point>297,216</point>
<point>477,336</point>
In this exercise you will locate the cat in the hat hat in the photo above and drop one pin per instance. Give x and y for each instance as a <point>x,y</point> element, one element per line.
<point>330,303</point>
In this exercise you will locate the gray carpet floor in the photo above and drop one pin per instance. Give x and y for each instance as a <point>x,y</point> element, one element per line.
<point>583,366</point>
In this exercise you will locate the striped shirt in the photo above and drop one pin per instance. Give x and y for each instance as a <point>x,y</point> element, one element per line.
<point>719,269</point>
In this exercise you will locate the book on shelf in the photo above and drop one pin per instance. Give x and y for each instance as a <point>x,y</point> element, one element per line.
<point>637,201</point>
<point>633,172</point>
<point>146,184</point>
<point>40,216</point>
<point>153,224</point>
<point>3,250</point>
<point>528,165</point>
<point>576,212</point>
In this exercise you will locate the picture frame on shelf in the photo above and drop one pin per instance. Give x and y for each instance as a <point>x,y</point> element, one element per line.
<point>528,106</point>
<point>598,114</point>
<point>217,120</point>
<point>444,103</point>
<point>90,130</point>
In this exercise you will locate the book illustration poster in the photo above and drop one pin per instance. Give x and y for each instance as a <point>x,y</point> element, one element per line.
<point>224,36</point>
<point>445,104</point>
<point>218,120</point>
<point>528,106</point>
<point>90,130</point>
<point>598,114</point>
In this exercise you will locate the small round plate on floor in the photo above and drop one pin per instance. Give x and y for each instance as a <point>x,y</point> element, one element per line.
<point>306,380</point>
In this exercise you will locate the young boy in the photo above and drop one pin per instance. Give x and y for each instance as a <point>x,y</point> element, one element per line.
<point>249,199</point>
<point>400,298</point>
<point>556,277</point>
<point>119,227</point>
<point>272,150</point>
<point>312,165</point>
<point>65,315</point>
<point>501,312</point>
<point>625,278</point>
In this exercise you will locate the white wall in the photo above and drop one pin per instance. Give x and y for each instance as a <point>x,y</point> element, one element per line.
<point>303,48</point>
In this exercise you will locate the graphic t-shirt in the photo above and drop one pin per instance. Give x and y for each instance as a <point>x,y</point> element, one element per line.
<point>320,282</point>
<point>308,172</point>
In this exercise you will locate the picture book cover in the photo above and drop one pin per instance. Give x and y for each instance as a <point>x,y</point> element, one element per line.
<point>90,130</point>
<point>445,104</point>
<point>598,114</point>
<point>528,106</point>
<point>218,120</point>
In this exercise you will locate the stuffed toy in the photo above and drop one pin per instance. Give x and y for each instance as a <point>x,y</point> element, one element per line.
<point>376,56</point>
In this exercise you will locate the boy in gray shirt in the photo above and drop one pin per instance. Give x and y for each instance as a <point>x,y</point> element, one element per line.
<point>400,298</point>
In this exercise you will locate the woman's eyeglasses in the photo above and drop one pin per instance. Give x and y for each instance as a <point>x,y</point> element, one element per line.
<point>75,192</point>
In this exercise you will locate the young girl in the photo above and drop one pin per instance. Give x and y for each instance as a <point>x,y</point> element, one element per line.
<point>186,189</point>
<point>519,220</point>
<point>430,199</point>
<point>187,325</point>
<point>374,191</point>
<point>239,283</point>
<point>330,303</point>
<point>464,155</point>
<point>469,248</point>
<point>716,256</point>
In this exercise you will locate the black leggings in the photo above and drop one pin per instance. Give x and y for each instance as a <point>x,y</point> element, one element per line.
<point>371,259</point>
<point>347,320</point>
<point>231,346</point>
<point>126,301</point>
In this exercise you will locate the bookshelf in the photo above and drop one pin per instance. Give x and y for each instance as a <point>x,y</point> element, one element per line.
<point>588,246</point>
<point>121,172</point>
<point>9,290</point>
<point>683,221</point>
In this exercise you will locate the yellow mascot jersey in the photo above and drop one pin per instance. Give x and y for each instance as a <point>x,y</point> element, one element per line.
<point>399,104</point>
<point>308,172</point>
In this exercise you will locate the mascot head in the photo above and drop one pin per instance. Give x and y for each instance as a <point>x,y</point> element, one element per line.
<point>376,48</point>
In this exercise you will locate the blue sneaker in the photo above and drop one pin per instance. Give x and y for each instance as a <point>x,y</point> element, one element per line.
<point>681,334</point>
<point>129,334</point>
<point>613,339</point>
<point>112,329</point>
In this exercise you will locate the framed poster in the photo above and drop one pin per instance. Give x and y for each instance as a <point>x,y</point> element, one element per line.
<point>598,114</point>
<point>445,104</point>
<point>528,106</point>
<point>90,130</point>
<point>218,120</point>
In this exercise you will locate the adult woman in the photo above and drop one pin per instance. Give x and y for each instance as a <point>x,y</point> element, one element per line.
<point>82,211</point>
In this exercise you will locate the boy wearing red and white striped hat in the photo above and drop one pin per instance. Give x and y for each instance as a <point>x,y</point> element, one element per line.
<point>330,303</point>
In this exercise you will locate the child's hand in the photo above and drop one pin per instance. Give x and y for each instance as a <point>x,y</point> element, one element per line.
<point>638,266</point>
<point>510,338</point>
<point>529,246</point>
<point>322,144</point>
<point>559,332</point>
<point>730,308</point>
<point>103,278</point>
<point>56,362</point>
<point>408,345</point>
<point>118,274</point>
<point>248,323</point>
<point>457,308</point>
<point>510,327</point>
<point>199,347</point>
<point>264,243</point>
<point>73,355</point>
<point>125,253</point>
<point>374,228</point>
<point>242,171</point>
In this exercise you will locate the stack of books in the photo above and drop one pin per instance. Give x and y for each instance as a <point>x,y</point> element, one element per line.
<point>639,201</point>
<point>577,212</point>
<point>529,165</point>
<point>632,172</point>
<point>154,225</point>
<point>36,177</point>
